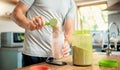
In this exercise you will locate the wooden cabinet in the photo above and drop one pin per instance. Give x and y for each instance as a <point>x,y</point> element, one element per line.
<point>113,5</point>
<point>12,1</point>
<point>81,3</point>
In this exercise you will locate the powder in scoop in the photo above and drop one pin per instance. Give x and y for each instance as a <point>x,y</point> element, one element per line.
<point>53,22</point>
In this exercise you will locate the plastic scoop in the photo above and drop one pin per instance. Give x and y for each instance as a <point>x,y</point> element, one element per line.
<point>52,22</point>
<point>108,63</point>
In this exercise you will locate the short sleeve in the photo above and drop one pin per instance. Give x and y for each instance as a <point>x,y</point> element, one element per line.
<point>72,10</point>
<point>28,3</point>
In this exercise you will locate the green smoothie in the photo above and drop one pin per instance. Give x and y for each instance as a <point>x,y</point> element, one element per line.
<point>81,56</point>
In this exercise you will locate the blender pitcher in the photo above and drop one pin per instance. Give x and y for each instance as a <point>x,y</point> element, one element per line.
<point>82,47</point>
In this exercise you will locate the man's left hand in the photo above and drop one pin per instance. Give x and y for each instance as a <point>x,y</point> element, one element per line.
<point>66,49</point>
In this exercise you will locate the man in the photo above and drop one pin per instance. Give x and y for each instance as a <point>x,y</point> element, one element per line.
<point>32,15</point>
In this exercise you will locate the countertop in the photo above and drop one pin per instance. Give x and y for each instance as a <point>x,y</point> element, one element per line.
<point>19,49</point>
<point>70,66</point>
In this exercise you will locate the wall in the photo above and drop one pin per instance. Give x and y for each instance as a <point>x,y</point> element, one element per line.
<point>7,24</point>
<point>115,18</point>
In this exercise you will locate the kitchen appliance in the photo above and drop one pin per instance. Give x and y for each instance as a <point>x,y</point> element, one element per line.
<point>12,39</point>
<point>0,40</point>
<point>82,48</point>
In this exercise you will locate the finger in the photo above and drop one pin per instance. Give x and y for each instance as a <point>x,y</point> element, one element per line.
<point>66,50</point>
<point>65,46</point>
<point>42,21</point>
<point>32,26</point>
<point>36,22</point>
<point>39,23</point>
<point>67,54</point>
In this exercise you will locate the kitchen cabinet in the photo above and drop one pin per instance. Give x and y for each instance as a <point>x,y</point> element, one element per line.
<point>113,5</point>
<point>10,58</point>
<point>6,7</point>
<point>5,16</point>
<point>89,2</point>
<point>12,1</point>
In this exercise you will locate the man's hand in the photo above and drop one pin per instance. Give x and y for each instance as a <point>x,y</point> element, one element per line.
<point>36,22</point>
<point>66,49</point>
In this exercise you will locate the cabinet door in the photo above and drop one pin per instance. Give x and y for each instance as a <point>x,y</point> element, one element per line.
<point>13,1</point>
<point>10,60</point>
<point>112,2</point>
<point>113,5</point>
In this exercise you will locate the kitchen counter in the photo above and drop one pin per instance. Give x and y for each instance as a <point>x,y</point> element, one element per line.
<point>70,66</point>
<point>19,49</point>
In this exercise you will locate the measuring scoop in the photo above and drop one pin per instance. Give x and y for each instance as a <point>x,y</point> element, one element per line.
<point>53,23</point>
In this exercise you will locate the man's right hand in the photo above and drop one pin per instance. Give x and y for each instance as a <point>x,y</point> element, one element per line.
<point>36,22</point>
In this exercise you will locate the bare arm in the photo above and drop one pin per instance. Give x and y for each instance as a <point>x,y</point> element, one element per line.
<point>19,18</point>
<point>68,27</point>
<point>18,15</point>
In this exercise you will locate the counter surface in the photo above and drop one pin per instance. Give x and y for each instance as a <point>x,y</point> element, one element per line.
<point>19,49</point>
<point>70,66</point>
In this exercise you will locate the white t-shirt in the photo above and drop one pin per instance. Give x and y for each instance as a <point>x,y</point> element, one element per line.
<point>38,42</point>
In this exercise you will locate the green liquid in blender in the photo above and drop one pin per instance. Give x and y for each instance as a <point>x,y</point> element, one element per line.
<point>81,56</point>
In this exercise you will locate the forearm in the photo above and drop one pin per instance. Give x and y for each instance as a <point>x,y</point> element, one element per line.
<point>68,30</point>
<point>18,15</point>
<point>20,19</point>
